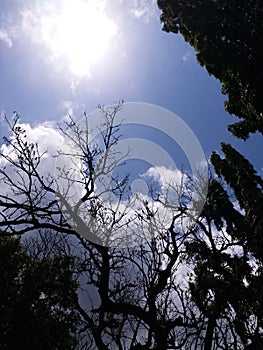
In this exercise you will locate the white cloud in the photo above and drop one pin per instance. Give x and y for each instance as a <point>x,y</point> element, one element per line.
<point>70,35</point>
<point>48,139</point>
<point>132,214</point>
<point>145,10</point>
<point>68,107</point>
<point>167,177</point>
<point>170,181</point>
<point>75,34</point>
<point>15,180</point>
<point>5,38</point>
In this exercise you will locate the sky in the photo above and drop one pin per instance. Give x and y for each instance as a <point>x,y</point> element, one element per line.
<point>60,57</point>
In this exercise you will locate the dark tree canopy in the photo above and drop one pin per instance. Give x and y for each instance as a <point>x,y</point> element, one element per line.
<point>36,291</point>
<point>196,287</point>
<point>247,186</point>
<point>227,36</point>
<point>229,284</point>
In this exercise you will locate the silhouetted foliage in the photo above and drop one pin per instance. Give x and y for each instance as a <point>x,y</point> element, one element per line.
<point>242,178</point>
<point>228,271</point>
<point>227,37</point>
<point>36,294</point>
<point>182,287</point>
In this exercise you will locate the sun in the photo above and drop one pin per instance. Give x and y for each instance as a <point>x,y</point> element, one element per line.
<point>79,32</point>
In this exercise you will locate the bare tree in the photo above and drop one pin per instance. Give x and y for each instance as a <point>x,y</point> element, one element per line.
<point>154,292</point>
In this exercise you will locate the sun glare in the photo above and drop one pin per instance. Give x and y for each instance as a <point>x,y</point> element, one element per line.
<point>79,32</point>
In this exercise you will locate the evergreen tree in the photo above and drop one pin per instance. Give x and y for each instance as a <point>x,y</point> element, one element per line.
<point>36,294</point>
<point>242,178</point>
<point>227,37</point>
<point>228,262</point>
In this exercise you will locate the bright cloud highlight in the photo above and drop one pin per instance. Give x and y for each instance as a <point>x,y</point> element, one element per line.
<point>76,33</point>
<point>5,38</point>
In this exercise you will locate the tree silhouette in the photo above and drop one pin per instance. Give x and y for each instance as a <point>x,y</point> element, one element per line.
<point>227,38</point>
<point>181,287</point>
<point>35,296</point>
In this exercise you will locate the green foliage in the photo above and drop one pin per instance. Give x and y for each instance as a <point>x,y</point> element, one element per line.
<point>36,294</point>
<point>227,36</point>
<point>247,186</point>
<point>228,261</point>
<point>220,209</point>
<point>228,258</point>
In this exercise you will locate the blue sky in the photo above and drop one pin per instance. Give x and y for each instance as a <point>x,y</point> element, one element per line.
<point>137,62</point>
